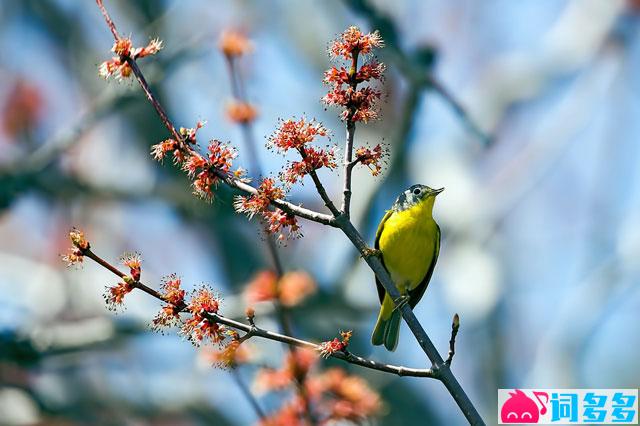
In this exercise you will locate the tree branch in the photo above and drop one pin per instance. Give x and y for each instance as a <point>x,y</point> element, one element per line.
<point>229,180</point>
<point>348,148</point>
<point>455,326</point>
<point>253,331</point>
<point>439,370</point>
<point>320,188</point>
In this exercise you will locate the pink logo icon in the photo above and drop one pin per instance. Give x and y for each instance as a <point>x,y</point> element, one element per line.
<point>519,408</point>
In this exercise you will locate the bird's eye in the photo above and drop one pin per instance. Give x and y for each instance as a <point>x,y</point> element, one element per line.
<point>416,191</point>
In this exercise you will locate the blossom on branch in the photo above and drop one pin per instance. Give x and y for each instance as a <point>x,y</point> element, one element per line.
<point>114,295</point>
<point>336,345</point>
<point>277,222</point>
<point>294,134</point>
<point>241,112</point>
<point>80,245</point>
<point>343,396</point>
<point>199,327</point>
<point>353,41</point>
<point>296,286</point>
<point>292,288</point>
<point>205,171</point>
<point>123,48</point>
<point>234,43</point>
<point>357,104</point>
<point>312,159</point>
<point>259,202</point>
<point>173,295</point>
<point>282,224</point>
<point>372,158</point>
<point>133,262</point>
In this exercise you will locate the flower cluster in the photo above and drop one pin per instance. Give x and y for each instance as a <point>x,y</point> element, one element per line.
<point>133,262</point>
<point>312,159</point>
<point>123,48</point>
<point>114,295</point>
<point>298,135</point>
<point>179,151</point>
<point>291,290</point>
<point>206,171</point>
<point>357,104</point>
<point>277,222</point>
<point>173,295</point>
<point>336,345</point>
<point>241,112</point>
<point>199,327</point>
<point>372,158</point>
<point>80,245</point>
<point>234,43</point>
<point>353,42</point>
<point>343,397</point>
<point>333,395</point>
<point>295,134</point>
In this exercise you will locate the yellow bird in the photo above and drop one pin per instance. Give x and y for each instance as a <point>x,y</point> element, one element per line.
<point>409,242</point>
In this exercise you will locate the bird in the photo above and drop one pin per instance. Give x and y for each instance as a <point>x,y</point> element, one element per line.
<point>408,243</point>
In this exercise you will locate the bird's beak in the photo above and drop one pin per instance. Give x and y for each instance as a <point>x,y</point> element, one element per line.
<point>437,191</point>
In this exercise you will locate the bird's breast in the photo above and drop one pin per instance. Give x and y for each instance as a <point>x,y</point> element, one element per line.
<point>408,244</point>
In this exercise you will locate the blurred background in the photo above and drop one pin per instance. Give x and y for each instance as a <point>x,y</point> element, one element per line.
<point>540,217</point>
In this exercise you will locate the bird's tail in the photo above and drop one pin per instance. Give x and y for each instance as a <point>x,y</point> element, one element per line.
<point>387,330</point>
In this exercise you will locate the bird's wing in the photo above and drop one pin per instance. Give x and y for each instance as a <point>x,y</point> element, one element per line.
<point>381,290</point>
<point>416,294</point>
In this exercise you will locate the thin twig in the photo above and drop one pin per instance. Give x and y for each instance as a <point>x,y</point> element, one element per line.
<point>455,326</point>
<point>235,374</point>
<point>255,331</point>
<point>348,148</point>
<point>320,188</point>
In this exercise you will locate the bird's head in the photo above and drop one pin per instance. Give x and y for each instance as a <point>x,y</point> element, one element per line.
<point>415,195</point>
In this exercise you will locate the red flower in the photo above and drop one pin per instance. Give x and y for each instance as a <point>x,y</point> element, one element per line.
<point>169,315</point>
<point>221,155</point>
<point>73,257</point>
<point>354,41</point>
<point>234,43</point>
<point>159,151</point>
<point>371,71</point>
<point>295,286</point>
<point>279,222</point>
<point>259,202</point>
<point>332,346</point>
<point>263,287</point>
<point>371,158</point>
<point>114,296</point>
<point>78,240</point>
<point>199,327</point>
<point>123,48</point>
<point>241,112</point>
<point>133,262</point>
<point>295,134</point>
<point>313,159</point>
<point>194,163</point>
